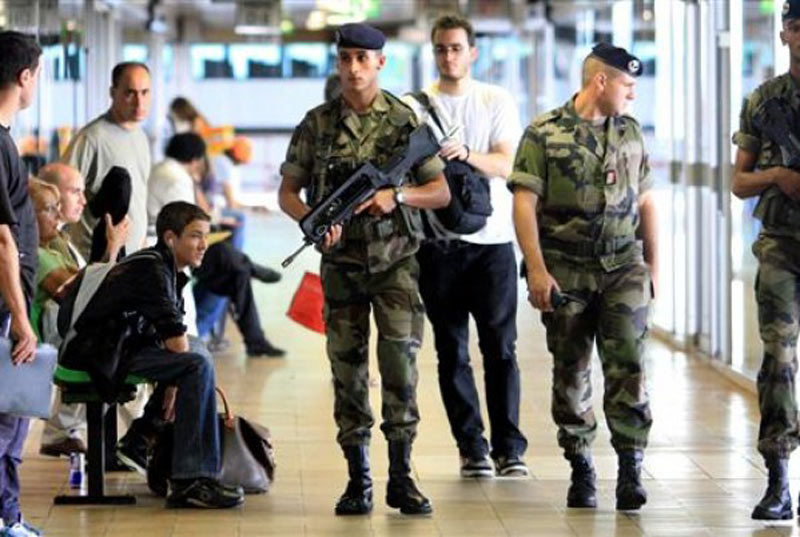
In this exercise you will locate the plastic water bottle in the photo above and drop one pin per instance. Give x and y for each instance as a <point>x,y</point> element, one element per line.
<point>75,470</point>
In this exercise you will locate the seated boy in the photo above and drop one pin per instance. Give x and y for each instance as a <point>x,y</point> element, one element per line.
<point>133,324</point>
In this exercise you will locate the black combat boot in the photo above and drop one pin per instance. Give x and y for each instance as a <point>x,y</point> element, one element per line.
<point>582,491</point>
<point>630,492</point>
<point>357,497</point>
<point>777,501</point>
<point>401,492</point>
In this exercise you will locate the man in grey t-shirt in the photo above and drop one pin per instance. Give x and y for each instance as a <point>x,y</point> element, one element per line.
<point>116,138</point>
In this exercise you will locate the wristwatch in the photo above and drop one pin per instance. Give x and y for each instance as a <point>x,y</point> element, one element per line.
<point>399,198</point>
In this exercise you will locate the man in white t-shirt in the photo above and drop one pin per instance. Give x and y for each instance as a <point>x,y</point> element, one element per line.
<point>116,138</point>
<point>452,269</point>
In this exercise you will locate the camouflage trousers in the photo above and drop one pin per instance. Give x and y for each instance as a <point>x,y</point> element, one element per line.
<point>392,295</point>
<point>611,310</point>
<point>778,297</point>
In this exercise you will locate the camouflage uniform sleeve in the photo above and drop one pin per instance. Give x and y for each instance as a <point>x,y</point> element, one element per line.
<point>748,137</point>
<point>645,175</point>
<point>299,155</point>
<point>530,163</point>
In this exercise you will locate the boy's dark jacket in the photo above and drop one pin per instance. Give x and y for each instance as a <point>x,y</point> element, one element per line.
<point>137,305</point>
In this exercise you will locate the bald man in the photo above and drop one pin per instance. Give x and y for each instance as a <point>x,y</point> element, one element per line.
<point>115,138</point>
<point>71,187</point>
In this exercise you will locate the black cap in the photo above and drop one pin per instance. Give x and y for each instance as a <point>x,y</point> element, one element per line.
<point>619,58</point>
<point>790,10</point>
<point>359,35</point>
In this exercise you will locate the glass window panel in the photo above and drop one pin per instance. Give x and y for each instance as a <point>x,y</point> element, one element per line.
<point>307,60</point>
<point>261,60</point>
<point>135,52</point>
<point>210,60</point>
<point>396,76</point>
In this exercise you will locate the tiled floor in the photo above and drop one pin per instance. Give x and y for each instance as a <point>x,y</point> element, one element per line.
<point>702,471</point>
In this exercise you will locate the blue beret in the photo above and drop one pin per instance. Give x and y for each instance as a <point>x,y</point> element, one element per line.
<point>619,58</point>
<point>790,10</point>
<point>359,35</point>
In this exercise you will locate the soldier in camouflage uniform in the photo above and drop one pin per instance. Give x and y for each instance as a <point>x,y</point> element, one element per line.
<point>585,220</point>
<point>760,171</point>
<point>368,263</point>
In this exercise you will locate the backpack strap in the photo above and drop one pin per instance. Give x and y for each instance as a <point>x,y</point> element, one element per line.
<point>422,98</point>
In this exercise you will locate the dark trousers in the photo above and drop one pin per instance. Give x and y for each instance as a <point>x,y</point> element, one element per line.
<point>197,445</point>
<point>458,279</point>
<point>227,272</point>
<point>13,431</point>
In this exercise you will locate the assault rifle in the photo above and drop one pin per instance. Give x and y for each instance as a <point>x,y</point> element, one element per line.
<point>776,120</point>
<point>338,206</point>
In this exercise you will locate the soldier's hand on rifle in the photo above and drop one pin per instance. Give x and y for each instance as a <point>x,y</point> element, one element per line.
<point>789,183</point>
<point>332,237</point>
<point>540,286</point>
<point>381,203</point>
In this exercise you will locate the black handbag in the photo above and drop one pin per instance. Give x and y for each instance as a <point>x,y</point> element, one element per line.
<point>470,200</point>
<point>248,456</point>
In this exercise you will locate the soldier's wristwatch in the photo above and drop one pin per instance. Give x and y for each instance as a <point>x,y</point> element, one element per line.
<point>399,198</point>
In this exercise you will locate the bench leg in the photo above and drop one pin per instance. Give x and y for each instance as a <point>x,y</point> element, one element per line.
<point>111,437</point>
<point>96,422</point>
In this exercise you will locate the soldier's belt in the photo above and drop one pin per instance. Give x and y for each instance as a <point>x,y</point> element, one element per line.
<point>589,248</point>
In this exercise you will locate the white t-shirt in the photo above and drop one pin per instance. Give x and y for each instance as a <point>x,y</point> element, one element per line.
<point>485,115</point>
<point>169,181</point>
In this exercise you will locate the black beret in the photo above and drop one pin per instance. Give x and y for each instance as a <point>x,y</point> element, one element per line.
<point>619,58</point>
<point>790,10</point>
<point>359,35</point>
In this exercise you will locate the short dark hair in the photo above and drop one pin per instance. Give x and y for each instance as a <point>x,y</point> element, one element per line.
<point>186,147</point>
<point>18,52</point>
<point>176,216</point>
<point>120,68</point>
<point>451,22</point>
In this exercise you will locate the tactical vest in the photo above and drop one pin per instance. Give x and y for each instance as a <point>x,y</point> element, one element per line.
<point>337,154</point>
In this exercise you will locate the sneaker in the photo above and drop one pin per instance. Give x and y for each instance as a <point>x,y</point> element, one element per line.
<point>476,467</point>
<point>64,447</point>
<point>203,493</point>
<point>511,466</point>
<point>20,529</point>
<point>264,348</point>
<point>132,452</point>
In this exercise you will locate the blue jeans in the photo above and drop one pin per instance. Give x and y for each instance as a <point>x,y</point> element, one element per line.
<point>449,274</point>
<point>197,450</point>
<point>211,309</point>
<point>13,431</point>
<point>237,234</point>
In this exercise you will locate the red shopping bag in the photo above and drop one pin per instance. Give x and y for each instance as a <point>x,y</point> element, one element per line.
<point>307,302</point>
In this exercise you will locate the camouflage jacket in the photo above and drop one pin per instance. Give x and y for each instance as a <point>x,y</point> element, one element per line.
<point>330,143</point>
<point>588,179</point>
<point>780,216</point>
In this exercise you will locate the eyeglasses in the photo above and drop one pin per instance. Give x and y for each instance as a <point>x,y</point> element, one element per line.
<point>51,208</point>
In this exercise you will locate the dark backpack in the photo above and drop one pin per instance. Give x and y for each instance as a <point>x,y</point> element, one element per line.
<point>470,202</point>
